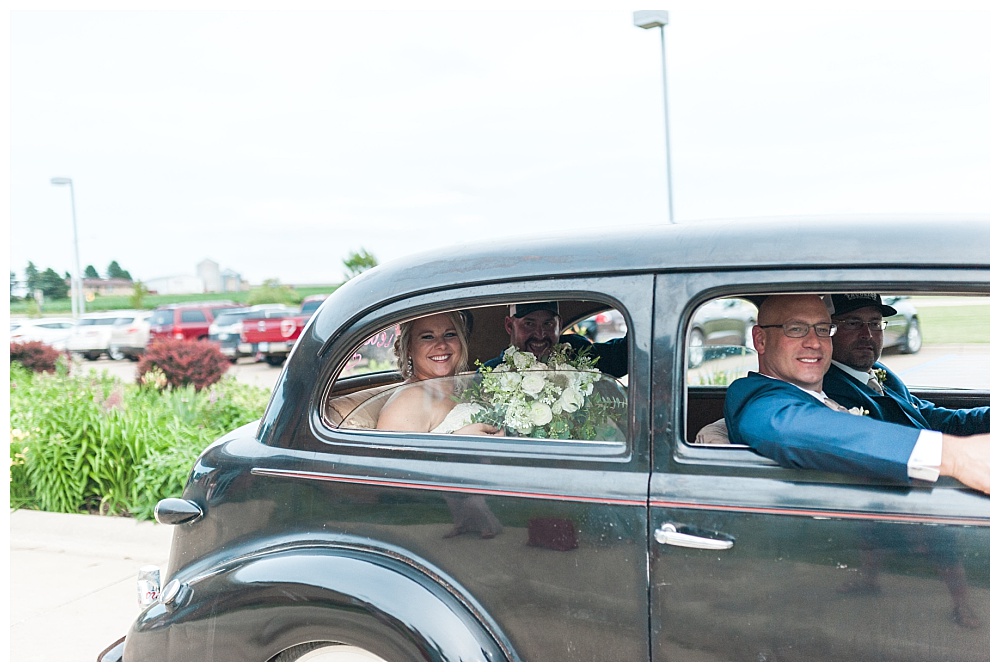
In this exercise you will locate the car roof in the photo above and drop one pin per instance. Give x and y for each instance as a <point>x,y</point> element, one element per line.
<point>714,245</point>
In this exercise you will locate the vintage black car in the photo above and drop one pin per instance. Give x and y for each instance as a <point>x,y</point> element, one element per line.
<point>313,535</point>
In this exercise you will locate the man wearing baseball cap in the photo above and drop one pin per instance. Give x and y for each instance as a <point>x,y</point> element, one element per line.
<point>856,379</point>
<point>534,327</point>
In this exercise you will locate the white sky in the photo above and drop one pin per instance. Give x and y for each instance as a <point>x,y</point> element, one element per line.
<point>276,142</point>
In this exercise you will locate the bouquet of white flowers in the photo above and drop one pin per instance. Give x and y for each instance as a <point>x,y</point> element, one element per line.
<point>553,399</point>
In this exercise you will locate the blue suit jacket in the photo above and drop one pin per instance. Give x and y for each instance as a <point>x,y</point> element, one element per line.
<point>793,428</point>
<point>899,406</point>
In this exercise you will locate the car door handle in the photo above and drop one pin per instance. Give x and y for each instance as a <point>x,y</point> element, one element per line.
<point>668,534</point>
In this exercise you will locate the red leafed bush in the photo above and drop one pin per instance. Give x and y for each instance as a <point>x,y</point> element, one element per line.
<point>34,355</point>
<point>197,363</point>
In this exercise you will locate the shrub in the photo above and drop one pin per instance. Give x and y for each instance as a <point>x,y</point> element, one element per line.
<point>182,363</point>
<point>35,355</point>
<point>92,443</point>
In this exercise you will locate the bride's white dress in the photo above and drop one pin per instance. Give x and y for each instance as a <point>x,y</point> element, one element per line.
<point>458,417</point>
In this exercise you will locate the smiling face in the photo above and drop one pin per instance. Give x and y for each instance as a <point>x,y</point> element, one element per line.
<point>436,347</point>
<point>800,361</point>
<point>536,332</point>
<point>861,348</point>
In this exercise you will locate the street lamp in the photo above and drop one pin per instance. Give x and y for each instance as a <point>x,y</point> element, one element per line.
<point>76,284</point>
<point>657,18</point>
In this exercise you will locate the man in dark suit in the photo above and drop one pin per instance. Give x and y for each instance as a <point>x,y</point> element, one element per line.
<point>534,328</point>
<point>856,379</point>
<point>783,413</point>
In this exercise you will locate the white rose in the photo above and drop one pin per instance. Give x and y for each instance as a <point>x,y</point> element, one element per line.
<point>524,360</point>
<point>532,383</point>
<point>539,414</point>
<point>510,381</point>
<point>571,400</point>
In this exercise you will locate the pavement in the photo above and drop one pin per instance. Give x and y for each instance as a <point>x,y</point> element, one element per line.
<point>73,582</point>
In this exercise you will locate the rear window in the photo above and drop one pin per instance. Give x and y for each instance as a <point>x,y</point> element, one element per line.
<point>162,317</point>
<point>191,316</point>
<point>225,319</point>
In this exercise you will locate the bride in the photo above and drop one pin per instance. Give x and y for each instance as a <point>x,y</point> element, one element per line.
<point>431,349</point>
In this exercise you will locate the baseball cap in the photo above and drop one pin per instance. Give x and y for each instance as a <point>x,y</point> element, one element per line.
<point>522,309</point>
<point>845,303</point>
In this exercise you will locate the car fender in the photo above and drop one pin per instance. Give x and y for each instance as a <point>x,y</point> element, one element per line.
<point>258,606</point>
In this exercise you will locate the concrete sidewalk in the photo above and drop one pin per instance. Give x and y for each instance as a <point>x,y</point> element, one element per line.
<point>73,582</point>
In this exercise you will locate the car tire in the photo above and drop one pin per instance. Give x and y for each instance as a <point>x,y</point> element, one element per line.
<point>326,652</point>
<point>275,360</point>
<point>92,356</point>
<point>913,339</point>
<point>115,353</point>
<point>696,349</point>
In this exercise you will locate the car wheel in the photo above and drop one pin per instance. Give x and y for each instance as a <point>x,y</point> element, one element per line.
<point>326,652</point>
<point>115,353</point>
<point>696,349</point>
<point>91,356</point>
<point>275,360</point>
<point>913,340</point>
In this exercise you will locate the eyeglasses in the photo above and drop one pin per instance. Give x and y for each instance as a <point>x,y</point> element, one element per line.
<point>801,329</point>
<point>853,324</point>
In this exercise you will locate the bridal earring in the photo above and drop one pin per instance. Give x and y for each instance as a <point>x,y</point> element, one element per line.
<point>409,367</point>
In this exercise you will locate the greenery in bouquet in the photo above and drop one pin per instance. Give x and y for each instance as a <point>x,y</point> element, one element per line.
<point>556,399</point>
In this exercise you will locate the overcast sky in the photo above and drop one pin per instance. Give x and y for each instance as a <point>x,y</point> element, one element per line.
<point>277,142</point>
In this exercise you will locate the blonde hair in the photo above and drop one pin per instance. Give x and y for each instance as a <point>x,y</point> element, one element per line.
<point>402,347</point>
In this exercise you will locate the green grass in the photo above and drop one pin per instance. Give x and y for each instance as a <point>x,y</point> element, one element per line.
<point>150,301</point>
<point>955,324</point>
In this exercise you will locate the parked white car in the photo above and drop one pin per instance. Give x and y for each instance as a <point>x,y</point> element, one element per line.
<point>91,337</point>
<point>129,335</point>
<point>49,330</point>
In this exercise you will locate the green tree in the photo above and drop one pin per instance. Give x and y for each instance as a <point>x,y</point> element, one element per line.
<point>272,291</point>
<point>116,272</point>
<point>31,276</point>
<point>91,273</point>
<point>358,262</point>
<point>52,285</point>
<point>139,292</point>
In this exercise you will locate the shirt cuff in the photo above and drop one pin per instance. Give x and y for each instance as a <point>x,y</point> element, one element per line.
<point>925,460</point>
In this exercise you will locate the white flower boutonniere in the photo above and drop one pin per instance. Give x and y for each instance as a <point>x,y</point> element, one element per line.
<point>881,375</point>
<point>857,410</point>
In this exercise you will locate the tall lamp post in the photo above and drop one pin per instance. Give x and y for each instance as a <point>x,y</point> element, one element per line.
<point>657,18</point>
<point>77,302</point>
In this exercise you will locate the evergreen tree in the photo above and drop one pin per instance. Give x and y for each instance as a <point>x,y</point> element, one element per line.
<point>116,272</point>
<point>91,273</point>
<point>52,285</point>
<point>31,276</point>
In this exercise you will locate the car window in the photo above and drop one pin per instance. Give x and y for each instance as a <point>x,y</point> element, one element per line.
<point>562,402</point>
<point>189,316</point>
<point>938,346</point>
<point>162,317</point>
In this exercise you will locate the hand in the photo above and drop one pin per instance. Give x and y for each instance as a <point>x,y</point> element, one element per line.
<point>479,429</point>
<point>967,459</point>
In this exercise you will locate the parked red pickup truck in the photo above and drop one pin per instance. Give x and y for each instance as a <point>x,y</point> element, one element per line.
<point>275,336</point>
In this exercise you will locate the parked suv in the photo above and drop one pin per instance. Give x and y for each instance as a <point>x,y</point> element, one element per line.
<point>227,329</point>
<point>313,534</point>
<point>91,337</point>
<point>186,321</point>
<point>129,336</point>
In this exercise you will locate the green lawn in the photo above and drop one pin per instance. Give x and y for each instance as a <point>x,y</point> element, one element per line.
<point>967,323</point>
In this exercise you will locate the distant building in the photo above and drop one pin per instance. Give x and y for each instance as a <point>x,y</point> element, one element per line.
<point>100,287</point>
<point>208,271</point>
<point>176,284</point>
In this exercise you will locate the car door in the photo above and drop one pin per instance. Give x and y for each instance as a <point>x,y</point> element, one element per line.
<point>751,561</point>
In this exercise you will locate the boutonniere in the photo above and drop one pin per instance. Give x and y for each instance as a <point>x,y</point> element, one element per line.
<point>881,375</point>
<point>857,410</point>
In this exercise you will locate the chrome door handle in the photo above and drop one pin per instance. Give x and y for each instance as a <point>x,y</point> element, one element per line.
<point>668,534</point>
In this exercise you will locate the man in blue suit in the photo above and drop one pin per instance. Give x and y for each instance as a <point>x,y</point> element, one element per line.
<point>783,413</point>
<point>856,379</point>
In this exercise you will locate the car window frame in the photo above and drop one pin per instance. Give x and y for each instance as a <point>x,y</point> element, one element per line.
<point>618,292</point>
<point>672,452</point>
